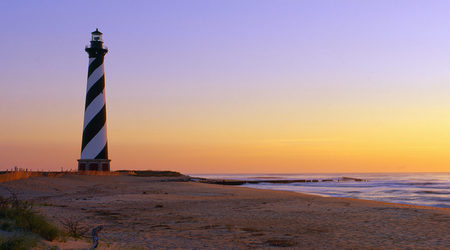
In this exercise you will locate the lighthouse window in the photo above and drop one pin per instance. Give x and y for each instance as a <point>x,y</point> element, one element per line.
<point>96,37</point>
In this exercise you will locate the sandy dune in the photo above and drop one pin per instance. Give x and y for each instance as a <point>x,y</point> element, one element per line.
<point>156,213</point>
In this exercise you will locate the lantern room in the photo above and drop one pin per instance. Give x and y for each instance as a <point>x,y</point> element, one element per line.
<point>97,36</point>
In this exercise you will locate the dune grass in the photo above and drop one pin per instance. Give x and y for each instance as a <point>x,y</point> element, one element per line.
<point>18,242</point>
<point>15,175</point>
<point>16,214</point>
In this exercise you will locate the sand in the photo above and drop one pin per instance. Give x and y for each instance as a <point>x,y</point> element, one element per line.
<point>154,212</point>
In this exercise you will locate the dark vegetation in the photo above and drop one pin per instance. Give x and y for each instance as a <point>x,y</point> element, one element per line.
<point>18,242</point>
<point>151,173</point>
<point>18,218</point>
<point>74,227</point>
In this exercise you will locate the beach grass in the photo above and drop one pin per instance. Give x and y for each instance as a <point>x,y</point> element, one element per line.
<point>18,242</point>
<point>16,214</point>
<point>160,213</point>
<point>16,175</point>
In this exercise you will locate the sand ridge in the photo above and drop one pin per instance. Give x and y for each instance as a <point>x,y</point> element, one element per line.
<point>153,212</point>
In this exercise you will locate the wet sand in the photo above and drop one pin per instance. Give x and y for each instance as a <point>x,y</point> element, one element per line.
<point>153,212</point>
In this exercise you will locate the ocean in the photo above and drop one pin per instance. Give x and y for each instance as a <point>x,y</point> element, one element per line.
<point>427,189</point>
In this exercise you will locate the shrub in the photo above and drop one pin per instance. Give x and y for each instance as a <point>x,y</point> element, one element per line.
<point>22,242</point>
<point>74,227</point>
<point>6,226</point>
<point>21,213</point>
<point>36,223</point>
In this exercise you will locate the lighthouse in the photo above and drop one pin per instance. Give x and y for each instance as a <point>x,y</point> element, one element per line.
<point>94,145</point>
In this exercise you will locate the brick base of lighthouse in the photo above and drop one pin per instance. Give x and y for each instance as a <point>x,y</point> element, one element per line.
<point>93,164</point>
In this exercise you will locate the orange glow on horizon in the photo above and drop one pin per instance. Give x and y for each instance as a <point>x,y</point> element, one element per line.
<point>231,86</point>
<point>250,145</point>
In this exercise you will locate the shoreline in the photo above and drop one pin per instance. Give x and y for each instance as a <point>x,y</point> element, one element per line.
<point>327,196</point>
<point>171,176</point>
<point>407,188</point>
<point>159,213</point>
<point>273,181</point>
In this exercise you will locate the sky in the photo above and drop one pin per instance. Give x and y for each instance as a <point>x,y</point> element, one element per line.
<point>231,86</point>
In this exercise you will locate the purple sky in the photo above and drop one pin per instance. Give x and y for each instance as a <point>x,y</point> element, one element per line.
<point>218,64</point>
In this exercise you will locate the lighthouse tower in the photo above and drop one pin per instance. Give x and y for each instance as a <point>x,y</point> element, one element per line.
<point>94,146</point>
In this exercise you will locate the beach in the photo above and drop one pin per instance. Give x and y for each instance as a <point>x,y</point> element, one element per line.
<point>169,212</point>
<point>424,189</point>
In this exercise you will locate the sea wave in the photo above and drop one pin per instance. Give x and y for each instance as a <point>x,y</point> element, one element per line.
<point>429,189</point>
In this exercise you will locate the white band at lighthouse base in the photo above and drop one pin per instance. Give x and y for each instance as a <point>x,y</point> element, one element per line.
<point>94,107</point>
<point>95,146</point>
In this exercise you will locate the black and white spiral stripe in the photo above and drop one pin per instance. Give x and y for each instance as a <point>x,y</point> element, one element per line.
<point>94,143</point>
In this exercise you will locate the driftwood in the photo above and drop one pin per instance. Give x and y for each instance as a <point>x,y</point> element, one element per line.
<point>95,236</point>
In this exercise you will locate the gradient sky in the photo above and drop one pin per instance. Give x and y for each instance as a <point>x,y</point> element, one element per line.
<point>231,86</point>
